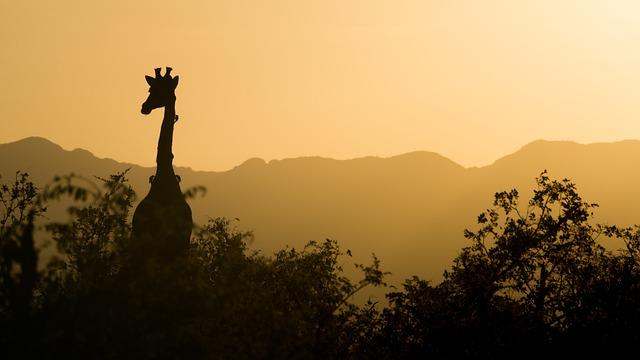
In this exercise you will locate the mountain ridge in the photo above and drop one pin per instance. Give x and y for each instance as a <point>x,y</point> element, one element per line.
<point>410,209</point>
<point>42,141</point>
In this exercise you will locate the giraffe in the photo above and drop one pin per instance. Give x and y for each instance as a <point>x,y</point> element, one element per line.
<point>162,221</point>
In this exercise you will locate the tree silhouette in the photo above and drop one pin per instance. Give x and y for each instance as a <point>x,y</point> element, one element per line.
<point>222,300</point>
<point>535,281</point>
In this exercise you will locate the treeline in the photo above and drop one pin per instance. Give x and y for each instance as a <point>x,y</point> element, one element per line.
<point>534,281</point>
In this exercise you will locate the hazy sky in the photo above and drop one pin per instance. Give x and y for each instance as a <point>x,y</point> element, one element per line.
<point>472,80</point>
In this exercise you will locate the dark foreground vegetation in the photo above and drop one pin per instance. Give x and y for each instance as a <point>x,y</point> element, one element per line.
<point>534,281</point>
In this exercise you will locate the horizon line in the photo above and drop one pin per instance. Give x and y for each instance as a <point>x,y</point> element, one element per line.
<point>330,158</point>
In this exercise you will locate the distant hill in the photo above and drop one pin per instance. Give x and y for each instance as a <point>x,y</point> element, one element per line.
<point>410,209</point>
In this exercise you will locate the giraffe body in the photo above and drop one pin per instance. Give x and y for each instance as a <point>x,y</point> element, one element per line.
<point>162,222</point>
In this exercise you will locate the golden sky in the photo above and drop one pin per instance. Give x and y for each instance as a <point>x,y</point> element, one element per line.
<point>472,80</point>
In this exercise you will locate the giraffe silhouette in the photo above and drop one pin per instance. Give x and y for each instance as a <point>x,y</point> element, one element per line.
<point>162,221</point>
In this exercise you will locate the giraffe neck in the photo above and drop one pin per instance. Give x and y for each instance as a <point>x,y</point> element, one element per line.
<point>164,158</point>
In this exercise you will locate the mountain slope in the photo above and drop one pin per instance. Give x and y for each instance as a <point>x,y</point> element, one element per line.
<point>410,209</point>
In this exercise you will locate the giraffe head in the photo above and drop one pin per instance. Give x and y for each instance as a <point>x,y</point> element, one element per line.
<point>161,91</point>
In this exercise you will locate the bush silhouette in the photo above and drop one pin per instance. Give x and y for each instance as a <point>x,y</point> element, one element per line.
<point>534,281</point>
<point>220,301</point>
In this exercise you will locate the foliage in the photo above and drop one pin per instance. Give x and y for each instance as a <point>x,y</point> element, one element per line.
<point>95,240</point>
<point>221,300</point>
<point>534,281</point>
<point>18,258</point>
<point>534,277</point>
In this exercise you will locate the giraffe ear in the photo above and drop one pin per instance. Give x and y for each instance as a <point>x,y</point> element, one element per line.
<point>149,80</point>
<point>175,81</point>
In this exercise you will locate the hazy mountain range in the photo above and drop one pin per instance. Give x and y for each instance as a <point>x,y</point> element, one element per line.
<point>409,209</point>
